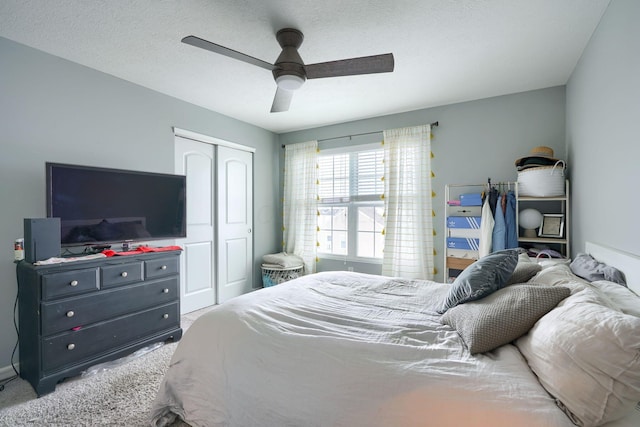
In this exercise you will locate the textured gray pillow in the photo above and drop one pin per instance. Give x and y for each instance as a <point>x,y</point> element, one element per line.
<point>481,278</point>
<point>503,316</point>
<point>523,272</point>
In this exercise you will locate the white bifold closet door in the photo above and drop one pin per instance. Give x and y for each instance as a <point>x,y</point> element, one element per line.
<point>218,251</point>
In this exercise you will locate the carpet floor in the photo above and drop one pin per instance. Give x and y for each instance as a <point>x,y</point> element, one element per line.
<point>114,394</point>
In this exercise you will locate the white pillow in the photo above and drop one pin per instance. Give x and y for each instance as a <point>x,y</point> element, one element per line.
<point>624,298</point>
<point>587,356</point>
<point>559,275</point>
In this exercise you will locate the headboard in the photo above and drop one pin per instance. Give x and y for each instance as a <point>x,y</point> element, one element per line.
<point>626,262</point>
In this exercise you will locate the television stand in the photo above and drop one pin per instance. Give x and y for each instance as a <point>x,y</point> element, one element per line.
<point>76,315</point>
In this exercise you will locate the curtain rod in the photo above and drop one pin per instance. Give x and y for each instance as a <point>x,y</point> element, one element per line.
<point>434,124</point>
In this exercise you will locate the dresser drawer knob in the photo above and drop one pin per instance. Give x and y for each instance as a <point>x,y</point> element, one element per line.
<point>165,316</point>
<point>165,291</point>
<point>70,313</point>
<point>164,267</point>
<point>71,346</point>
<point>124,274</point>
<point>74,283</point>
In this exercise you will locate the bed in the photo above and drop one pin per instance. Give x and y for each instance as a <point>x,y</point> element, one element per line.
<point>350,349</point>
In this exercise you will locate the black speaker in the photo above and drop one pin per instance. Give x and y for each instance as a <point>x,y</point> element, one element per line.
<point>41,238</point>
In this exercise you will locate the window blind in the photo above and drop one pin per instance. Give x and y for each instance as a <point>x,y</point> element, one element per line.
<point>351,177</point>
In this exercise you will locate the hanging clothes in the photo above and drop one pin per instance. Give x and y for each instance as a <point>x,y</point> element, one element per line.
<point>499,236</point>
<point>486,229</point>
<point>493,199</point>
<point>510,221</point>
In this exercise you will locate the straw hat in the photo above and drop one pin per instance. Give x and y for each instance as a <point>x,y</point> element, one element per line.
<point>538,156</point>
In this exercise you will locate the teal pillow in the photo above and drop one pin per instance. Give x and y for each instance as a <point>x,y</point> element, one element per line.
<point>481,278</point>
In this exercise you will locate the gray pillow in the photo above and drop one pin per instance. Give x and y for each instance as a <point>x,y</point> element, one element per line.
<point>523,272</point>
<point>585,266</point>
<point>503,316</point>
<point>481,278</point>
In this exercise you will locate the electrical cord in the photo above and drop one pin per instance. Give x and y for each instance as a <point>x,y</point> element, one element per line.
<point>15,347</point>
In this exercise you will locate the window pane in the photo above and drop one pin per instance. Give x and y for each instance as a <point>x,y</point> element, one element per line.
<point>379,245</point>
<point>368,174</point>
<point>340,246</point>
<point>370,223</point>
<point>366,218</point>
<point>332,236</point>
<point>333,172</point>
<point>366,245</point>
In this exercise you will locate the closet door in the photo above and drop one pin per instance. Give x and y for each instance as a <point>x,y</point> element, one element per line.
<point>196,160</point>
<point>235,222</point>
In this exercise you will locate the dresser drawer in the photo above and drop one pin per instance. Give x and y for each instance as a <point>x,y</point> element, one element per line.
<point>74,346</point>
<point>57,285</point>
<point>63,315</point>
<point>161,267</point>
<point>121,274</point>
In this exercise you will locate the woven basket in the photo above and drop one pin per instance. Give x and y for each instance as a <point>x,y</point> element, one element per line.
<point>274,276</point>
<point>543,181</point>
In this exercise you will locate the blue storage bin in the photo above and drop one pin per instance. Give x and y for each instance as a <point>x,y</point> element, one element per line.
<point>471,199</point>
<point>463,243</point>
<point>464,221</point>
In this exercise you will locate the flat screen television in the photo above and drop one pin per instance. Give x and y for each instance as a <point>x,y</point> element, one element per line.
<point>98,206</point>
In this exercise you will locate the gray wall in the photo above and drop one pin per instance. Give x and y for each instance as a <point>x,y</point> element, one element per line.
<point>474,141</point>
<point>603,113</point>
<point>55,110</point>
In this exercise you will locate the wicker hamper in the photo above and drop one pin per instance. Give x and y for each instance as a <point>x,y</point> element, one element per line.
<point>543,181</point>
<point>273,276</point>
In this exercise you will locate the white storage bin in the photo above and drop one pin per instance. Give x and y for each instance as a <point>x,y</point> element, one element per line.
<point>543,181</point>
<point>273,276</point>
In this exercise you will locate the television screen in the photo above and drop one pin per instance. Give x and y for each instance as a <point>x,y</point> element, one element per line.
<point>100,205</point>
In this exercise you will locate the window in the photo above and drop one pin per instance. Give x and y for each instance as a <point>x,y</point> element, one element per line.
<point>350,204</point>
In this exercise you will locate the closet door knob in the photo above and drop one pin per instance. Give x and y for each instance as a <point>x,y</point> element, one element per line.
<point>165,316</point>
<point>164,267</point>
<point>165,291</point>
<point>74,283</point>
<point>70,313</point>
<point>71,346</point>
<point>124,274</point>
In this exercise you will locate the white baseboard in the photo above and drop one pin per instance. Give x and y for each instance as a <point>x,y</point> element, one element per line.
<point>8,372</point>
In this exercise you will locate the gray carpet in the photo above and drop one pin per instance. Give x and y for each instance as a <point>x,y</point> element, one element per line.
<point>119,394</point>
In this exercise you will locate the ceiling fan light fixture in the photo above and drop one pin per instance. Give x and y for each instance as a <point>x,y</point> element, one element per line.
<point>289,81</point>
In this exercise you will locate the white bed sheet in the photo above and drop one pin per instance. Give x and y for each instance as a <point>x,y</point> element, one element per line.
<point>344,349</point>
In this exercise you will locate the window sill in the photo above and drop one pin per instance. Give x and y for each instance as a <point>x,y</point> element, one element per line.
<point>363,260</point>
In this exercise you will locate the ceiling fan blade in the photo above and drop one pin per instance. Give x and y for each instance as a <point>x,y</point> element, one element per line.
<point>204,44</point>
<point>350,67</point>
<point>281,101</point>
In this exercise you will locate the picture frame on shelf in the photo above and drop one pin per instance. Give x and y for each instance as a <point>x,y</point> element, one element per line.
<point>552,225</point>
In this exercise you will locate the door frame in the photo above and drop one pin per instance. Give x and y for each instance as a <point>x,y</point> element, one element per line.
<point>211,140</point>
<point>198,137</point>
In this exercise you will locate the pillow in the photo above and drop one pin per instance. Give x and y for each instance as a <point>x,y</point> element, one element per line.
<point>503,316</point>
<point>524,271</point>
<point>587,356</point>
<point>560,275</point>
<point>622,297</point>
<point>585,266</point>
<point>481,278</point>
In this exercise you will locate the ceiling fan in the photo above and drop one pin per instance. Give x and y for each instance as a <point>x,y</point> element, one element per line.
<point>290,72</point>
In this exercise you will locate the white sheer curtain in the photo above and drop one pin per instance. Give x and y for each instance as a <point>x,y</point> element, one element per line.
<point>300,206</point>
<point>408,244</point>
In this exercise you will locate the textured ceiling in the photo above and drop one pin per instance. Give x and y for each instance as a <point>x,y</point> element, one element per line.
<point>445,51</point>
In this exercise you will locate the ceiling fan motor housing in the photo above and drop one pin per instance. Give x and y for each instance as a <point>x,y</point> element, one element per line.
<point>289,71</point>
